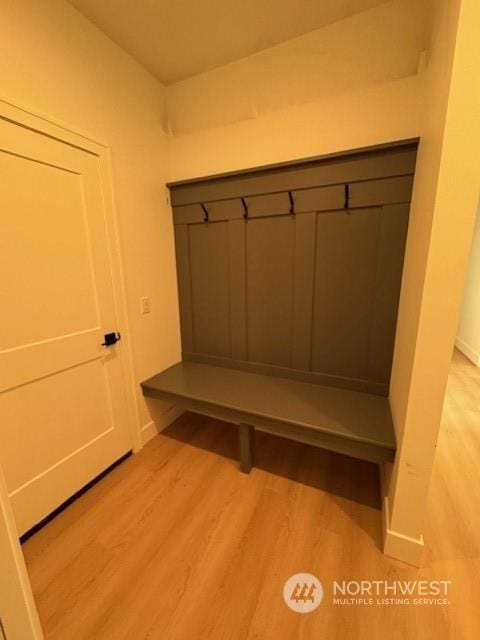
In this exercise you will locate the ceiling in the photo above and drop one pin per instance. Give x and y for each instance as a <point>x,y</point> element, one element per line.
<point>176,39</point>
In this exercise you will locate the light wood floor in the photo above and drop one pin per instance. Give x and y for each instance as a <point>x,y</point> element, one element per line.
<point>176,544</point>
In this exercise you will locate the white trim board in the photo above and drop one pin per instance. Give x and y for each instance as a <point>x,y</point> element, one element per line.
<point>395,544</point>
<point>399,546</point>
<point>152,429</point>
<point>468,351</point>
<point>19,613</point>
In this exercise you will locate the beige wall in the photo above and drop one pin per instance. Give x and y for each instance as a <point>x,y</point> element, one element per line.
<point>55,62</point>
<point>350,84</point>
<point>441,223</point>
<point>468,334</point>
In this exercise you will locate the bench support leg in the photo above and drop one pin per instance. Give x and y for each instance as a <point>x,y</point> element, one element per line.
<point>246,442</point>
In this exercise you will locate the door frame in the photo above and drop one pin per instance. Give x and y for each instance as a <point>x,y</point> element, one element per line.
<point>19,618</point>
<point>34,121</point>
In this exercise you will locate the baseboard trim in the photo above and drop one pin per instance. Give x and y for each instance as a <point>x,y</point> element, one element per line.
<point>399,546</point>
<point>148,431</point>
<point>395,544</point>
<point>468,351</point>
<point>151,429</point>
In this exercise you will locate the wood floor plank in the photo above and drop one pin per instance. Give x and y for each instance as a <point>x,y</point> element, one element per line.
<point>177,544</point>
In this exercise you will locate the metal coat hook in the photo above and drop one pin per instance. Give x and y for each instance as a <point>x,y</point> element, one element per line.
<point>245,208</point>
<point>292,203</point>
<point>205,211</point>
<point>347,198</point>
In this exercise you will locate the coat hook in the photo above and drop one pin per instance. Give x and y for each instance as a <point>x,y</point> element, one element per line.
<point>347,197</point>
<point>205,211</point>
<point>292,203</point>
<point>245,208</point>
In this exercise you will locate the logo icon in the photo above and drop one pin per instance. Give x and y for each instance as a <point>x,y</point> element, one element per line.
<point>303,592</point>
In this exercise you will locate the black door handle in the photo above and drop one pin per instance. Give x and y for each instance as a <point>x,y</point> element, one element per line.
<point>111,338</point>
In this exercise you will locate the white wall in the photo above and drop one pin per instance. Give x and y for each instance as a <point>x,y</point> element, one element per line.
<point>442,216</point>
<point>468,334</point>
<point>350,84</point>
<point>55,62</point>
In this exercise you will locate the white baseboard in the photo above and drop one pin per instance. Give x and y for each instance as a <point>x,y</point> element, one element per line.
<point>398,545</point>
<point>468,351</point>
<point>151,429</point>
<point>148,431</point>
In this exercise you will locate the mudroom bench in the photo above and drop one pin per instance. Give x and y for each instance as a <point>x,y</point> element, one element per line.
<point>349,422</point>
<point>289,281</point>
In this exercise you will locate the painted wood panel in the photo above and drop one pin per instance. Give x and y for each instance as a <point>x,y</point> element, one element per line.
<point>312,295</point>
<point>379,192</point>
<point>238,288</point>
<point>272,204</point>
<point>225,209</point>
<point>182,251</point>
<point>393,234</point>
<point>319,199</point>
<point>209,260</point>
<point>270,256</point>
<point>315,293</point>
<point>303,280</point>
<point>269,401</point>
<point>188,214</point>
<point>345,270</point>
<point>349,167</point>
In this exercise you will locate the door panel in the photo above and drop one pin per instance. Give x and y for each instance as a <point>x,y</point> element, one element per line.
<point>85,416</point>
<point>41,230</point>
<point>62,397</point>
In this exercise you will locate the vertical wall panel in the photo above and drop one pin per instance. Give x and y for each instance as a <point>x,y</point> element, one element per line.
<point>238,288</point>
<point>316,292</point>
<point>182,253</point>
<point>393,233</point>
<point>304,266</point>
<point>345,270</point>
<point>270,253</point>
<point>210,288</point>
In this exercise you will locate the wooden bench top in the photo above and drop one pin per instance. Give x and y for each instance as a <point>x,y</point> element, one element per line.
<point>350,422</point>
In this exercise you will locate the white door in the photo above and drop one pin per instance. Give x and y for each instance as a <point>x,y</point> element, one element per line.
<point>62,398</point>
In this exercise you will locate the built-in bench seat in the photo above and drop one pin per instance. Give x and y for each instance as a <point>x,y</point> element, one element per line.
<point>349,422</point>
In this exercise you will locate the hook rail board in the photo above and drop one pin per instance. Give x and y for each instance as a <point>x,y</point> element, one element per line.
<point>381,161</point>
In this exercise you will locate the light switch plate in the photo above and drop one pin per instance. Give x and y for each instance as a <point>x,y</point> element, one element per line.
<point>145,305</point>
